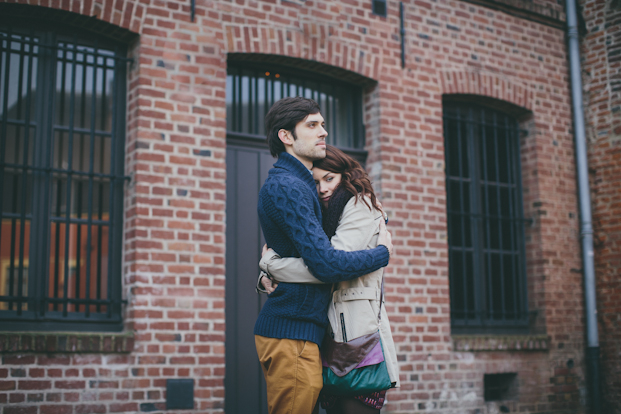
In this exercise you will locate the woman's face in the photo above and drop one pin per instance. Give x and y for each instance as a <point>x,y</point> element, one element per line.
<point>326,182</point>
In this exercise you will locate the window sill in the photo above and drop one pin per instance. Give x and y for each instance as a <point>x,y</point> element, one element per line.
<point>66,342</point>
<point>487,343</point>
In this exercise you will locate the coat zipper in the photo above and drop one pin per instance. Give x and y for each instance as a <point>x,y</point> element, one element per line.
<point>343,328</point>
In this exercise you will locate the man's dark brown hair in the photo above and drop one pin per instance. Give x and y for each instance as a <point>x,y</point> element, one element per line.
<point>285,114</point>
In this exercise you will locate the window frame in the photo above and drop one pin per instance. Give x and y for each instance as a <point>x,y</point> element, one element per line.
<point>483,320</point>
<point>38,317</point>
<point>355,142</point>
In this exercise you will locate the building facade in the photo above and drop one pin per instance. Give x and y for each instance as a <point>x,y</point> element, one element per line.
<point>132,155</point>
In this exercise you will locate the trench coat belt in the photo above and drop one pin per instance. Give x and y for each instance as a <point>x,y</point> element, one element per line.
<point>356,293</point>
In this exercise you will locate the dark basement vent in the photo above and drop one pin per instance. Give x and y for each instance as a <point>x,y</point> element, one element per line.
<point>501,387</point>
<point>180,394</point>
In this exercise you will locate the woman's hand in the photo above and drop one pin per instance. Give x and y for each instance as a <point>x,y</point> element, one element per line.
<point>269,284</point>
<point>384,237</point>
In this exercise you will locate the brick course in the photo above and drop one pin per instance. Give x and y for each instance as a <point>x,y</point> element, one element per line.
<point>174,247</point>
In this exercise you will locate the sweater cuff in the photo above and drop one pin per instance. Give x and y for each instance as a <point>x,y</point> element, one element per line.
<point>385,254</point>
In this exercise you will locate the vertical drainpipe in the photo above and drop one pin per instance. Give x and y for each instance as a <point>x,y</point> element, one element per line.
<point>586,228</point>
<point>402,33</point>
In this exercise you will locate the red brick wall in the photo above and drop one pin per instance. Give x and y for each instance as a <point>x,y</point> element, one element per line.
<point>602,99</point>
<point>174,227</point>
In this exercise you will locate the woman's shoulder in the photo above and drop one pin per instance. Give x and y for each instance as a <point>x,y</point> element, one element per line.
<point>362,205</point>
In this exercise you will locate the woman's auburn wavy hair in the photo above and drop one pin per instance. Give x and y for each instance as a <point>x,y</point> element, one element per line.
<point>354,178</point>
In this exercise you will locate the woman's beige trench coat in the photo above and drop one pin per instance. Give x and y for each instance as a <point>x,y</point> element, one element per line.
<point>354,307</point>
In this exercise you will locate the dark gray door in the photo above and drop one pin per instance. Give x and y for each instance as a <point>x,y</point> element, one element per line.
<point>246,169</point>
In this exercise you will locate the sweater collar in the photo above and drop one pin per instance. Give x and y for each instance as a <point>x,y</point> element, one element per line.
<point>288,162</point>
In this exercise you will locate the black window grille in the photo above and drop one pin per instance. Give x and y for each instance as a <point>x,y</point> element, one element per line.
<point>485,220</point>
<point>62,122</point>
<point>251,89</point>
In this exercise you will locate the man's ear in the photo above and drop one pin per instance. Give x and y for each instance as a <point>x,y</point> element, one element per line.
<point>285,137</point>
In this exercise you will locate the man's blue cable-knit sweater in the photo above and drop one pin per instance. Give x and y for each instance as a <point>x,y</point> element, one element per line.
<point>290,217</point>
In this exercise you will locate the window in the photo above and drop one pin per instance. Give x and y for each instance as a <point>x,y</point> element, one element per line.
<point>379,7</point>
<point>485,220</point>
<point>62,112</point>
<point>251,89</point>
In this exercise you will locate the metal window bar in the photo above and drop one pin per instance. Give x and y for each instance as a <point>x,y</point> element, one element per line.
<point>116,189</point>
<point>521,257</point>
<point>44,208</point>
<point>86,184</point>
<point>463,244</point>
<point>486,204</point>
<point>492,308</point>
<point>511,309</point>
<point>73,55</point>
<point>449,225</point>
<point>518,289</point>
<point>20,292</point>
<point>5,55</point>
<point>101,194</point>
<point>91,157</point>
<point>496,234</point>
<point>4,64</point>
<point>472,148</point>
<point>57,223</point>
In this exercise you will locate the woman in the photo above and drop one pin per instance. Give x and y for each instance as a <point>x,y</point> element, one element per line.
<point>351,219</point>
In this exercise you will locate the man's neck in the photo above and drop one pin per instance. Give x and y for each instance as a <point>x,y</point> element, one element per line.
<point>306,162</point>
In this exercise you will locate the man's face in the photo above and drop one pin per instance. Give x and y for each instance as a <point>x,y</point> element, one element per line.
<point>309,140</point>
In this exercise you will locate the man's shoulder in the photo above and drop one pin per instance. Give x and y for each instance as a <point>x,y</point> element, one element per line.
<point>283,182</point>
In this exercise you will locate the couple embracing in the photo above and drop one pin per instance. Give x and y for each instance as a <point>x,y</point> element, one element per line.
<point>326,256</point>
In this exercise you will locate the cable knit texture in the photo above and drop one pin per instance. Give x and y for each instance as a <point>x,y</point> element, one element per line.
<point>290,216</point>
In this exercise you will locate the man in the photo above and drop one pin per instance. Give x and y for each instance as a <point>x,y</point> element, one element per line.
<point>292,323</point>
